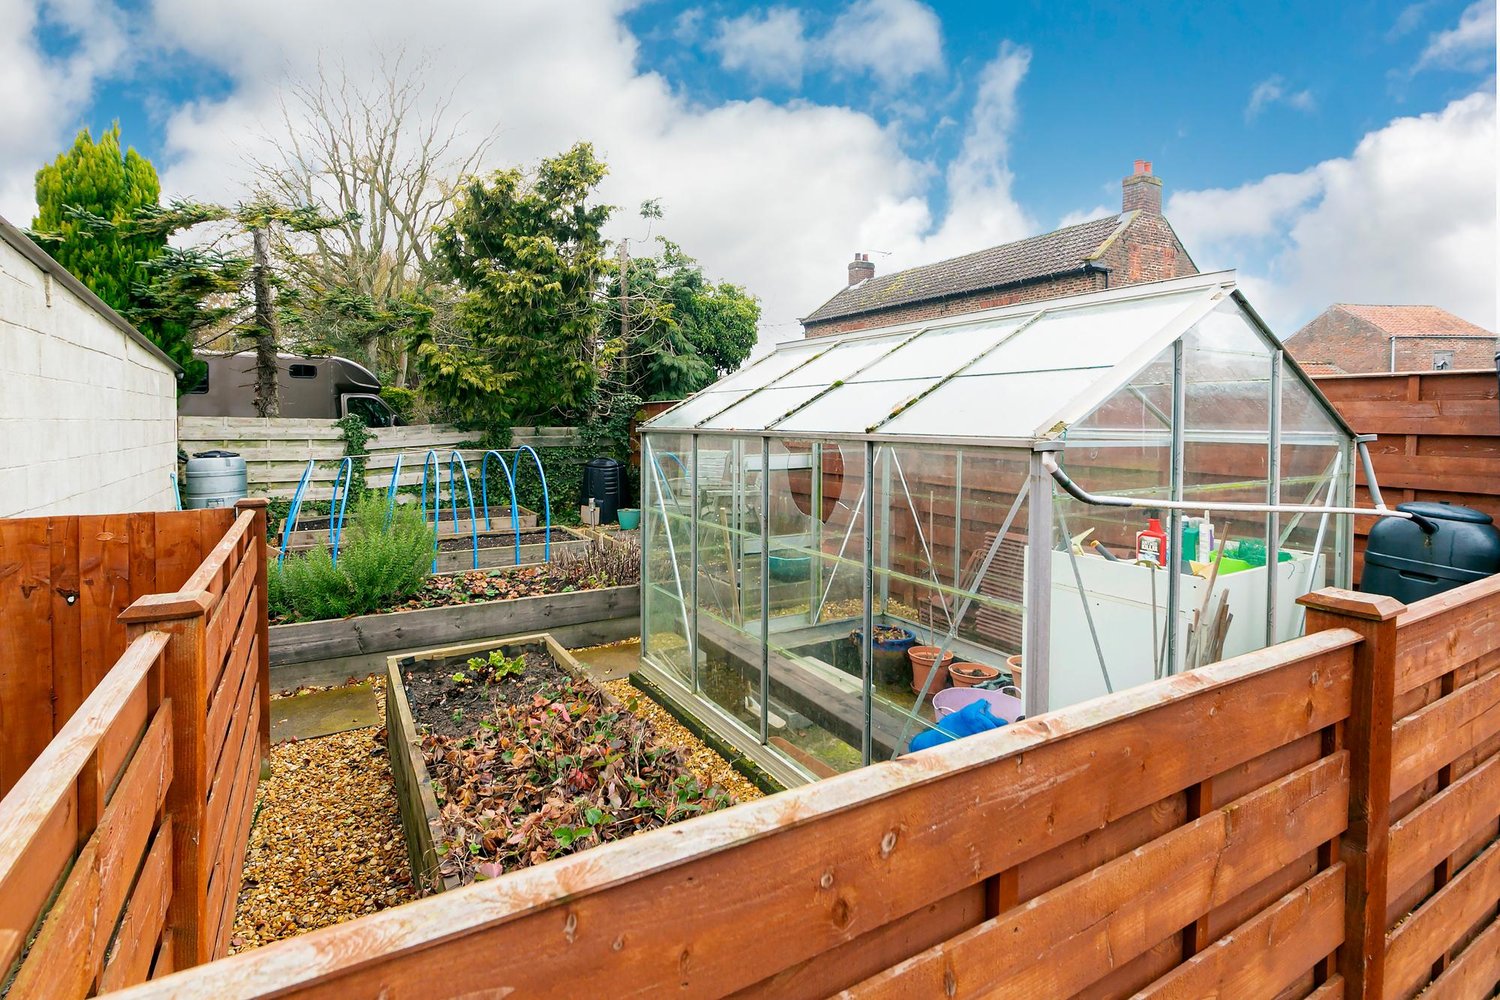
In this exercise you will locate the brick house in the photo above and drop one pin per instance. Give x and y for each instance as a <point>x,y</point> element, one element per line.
<point>1350,338</point>
<point>1135,246</point>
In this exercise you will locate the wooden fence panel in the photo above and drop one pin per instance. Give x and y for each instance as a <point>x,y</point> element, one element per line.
<point>1439,438</point>
<point>276,451</point>
<point>63,583</point>
<point>769,886</point>
<point>69,824</point>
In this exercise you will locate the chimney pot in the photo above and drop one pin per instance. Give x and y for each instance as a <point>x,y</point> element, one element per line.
<point>860,269</point>
<point>1142,190</point>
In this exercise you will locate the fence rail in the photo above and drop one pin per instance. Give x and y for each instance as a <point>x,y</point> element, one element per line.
<point>121,844</point>
<point>276,450</point>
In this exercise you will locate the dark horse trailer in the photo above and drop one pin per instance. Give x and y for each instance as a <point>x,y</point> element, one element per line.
<point>330,387</point>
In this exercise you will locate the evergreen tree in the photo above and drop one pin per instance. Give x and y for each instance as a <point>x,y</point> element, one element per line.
<point>94,178</point>
<point>82,199</point>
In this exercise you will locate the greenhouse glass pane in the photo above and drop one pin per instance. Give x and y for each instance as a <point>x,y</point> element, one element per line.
<point>1100,335</point>
<point>1010,406</point>
<point>855,406</point>
<point>705,404</point>
<point>939,352</point>
<point>666,557</point>
<point>841,362</point>
<point>774,366</point>
<point>763,408</point>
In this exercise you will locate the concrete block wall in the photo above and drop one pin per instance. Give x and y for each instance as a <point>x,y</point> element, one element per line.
<point>88,416</point>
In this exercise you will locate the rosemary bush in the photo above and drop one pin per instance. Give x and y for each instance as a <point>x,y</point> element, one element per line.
<point>377,566</point>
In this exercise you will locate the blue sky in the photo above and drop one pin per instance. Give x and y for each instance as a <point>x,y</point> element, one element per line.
<point>1330,152</point>
<point>1110,82</point>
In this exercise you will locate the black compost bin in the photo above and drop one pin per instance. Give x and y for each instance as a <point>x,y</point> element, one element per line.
<point>604,483</point>
<point>1407,563</point>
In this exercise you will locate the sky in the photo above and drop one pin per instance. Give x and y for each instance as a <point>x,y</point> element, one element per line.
<point>1328,152</point>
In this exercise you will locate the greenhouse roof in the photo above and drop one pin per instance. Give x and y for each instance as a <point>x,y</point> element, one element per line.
<point>1017,374</point>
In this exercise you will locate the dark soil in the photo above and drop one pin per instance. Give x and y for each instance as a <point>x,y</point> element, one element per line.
<point>456,543</point>
<point>435,697</point>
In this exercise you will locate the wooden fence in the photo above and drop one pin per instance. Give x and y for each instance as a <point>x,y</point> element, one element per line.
<point>1315,819</point>
<point>122,843</point>
<point>276,450</point>
<point>1439,437</point>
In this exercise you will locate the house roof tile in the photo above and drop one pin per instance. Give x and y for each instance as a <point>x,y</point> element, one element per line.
<point>1058,252</point>
<point>1407,320</point>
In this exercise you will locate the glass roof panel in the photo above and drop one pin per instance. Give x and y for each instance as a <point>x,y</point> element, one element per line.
<point>1005,405</point>
<point>1098,335</point>
<point>755,412</point>
<point>939,352</point>
<point>855,406</point>
<point>842,361</point>
<point>772,366</point>
<point>688,413</point>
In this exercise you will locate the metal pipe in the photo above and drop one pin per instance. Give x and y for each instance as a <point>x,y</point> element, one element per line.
<point>693,566</point>
<point>1273,496</point>
<point>1361,443</point>
<point>867,614</point>
<point>1176,473</point>
<point>1036,693</point>
<point>1105,500</point>
<point>765,589</point>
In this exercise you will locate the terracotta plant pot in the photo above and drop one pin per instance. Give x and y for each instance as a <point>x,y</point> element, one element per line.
<point>967,675</point>
<point>1013,664</point>
<point>923,659</point>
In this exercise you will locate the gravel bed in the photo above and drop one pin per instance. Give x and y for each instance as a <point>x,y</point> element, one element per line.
<point>706,765</point>
<point>327,845</point>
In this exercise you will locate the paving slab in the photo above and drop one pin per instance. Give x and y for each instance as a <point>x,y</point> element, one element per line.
<point>323,713</point>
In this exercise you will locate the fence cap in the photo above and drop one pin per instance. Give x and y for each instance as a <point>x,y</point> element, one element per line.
<point>165,607</point>
<point>1353,604</point>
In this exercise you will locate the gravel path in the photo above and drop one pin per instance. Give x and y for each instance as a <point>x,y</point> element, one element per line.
<point>710,768</point>
<point>327,845</point>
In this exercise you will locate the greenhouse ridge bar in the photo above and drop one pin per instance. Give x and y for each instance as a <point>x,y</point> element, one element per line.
<point>846,495</point>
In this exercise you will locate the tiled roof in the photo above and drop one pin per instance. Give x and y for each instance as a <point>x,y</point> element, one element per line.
<point>1321,368</point>
<point>1404,320</point>
<point>1024,260</point>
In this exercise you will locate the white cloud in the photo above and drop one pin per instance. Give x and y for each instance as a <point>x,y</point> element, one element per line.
<point>772,196</point>
<point>768,45</point>
<point>44,94</point>
<point>1078,216</point>
<point>1469,45</point>
<point>892,40</point>
<point>1273,90</point>
<point>1407,217</point>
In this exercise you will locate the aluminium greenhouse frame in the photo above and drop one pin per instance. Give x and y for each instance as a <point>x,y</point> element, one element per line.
<point>747,407</point>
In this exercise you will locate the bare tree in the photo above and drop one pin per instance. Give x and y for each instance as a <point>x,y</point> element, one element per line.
<point>381,153</point>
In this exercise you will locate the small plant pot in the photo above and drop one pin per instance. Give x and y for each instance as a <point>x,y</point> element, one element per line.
<point>1013,664</point>
<point>966,675</point>
<point>923,663</point>
<point>888,655</point>
<point>630,518</point>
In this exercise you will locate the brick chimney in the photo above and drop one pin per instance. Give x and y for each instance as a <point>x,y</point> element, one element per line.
<point>860,268</point>
<point>1142,190</point>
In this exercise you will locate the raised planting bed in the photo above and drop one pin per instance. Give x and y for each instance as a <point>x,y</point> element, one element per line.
<point>505,755</point>
<point>496,548</point>
<point>314,530</point>
<point>452,609</point>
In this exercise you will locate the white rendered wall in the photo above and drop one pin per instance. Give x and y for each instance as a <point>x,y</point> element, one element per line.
<point>88,417</point>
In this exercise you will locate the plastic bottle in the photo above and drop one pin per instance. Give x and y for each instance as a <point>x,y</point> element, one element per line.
<point>1206,539</point>
<point>1189,544</point>
<point>1152,543</point>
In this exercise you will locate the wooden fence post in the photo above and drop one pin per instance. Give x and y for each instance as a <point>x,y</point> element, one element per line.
<point>261,610</point>
<point>184,617</point>
<point>1367,736</point>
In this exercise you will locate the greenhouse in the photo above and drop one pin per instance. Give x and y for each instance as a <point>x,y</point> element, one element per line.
<point>1054,500</point>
